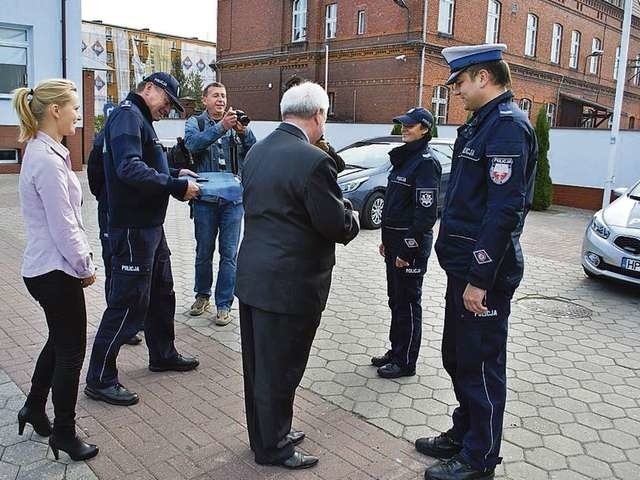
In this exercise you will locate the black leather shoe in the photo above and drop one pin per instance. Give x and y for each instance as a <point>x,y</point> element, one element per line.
<point>295,437</point>
<point>456,469</point>
<point>72,446</point>
<point>176,364</point>
<point>381,361</point>
<point>135,340</point>
<point>38,420</point>
<point>442,446</point>
<point>391,370</point>
<point>115,395</point>
<point>299,460</point>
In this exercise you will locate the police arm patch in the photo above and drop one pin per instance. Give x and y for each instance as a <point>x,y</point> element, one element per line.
<point>426,197</point>
<point>411,242</point>
<point>482,257</point>
<point>501,169</point>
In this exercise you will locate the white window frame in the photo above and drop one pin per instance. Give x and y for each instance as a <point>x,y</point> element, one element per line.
<point>574,55</point>
<point>556,42</point>
<point>299,21</point>
<point>14,160</point>
<point>440,104</point>
<point>525,105</point>
<point>445,16</point>
<point>331,20</point>
<point>636,71</point>
<point>594,64</point>
<point>362,26</point>
<point>616,63</point>
<point>19,44</point>
<point>493,21</point>
<point>551,114</point>
<point>531,38</point>
<point>332,103</point>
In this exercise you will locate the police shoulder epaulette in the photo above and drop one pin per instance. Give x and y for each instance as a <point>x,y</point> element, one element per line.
<point>126,104</point>
<point>506,110</point>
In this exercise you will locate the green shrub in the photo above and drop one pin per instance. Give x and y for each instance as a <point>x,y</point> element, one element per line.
<point>543,192</point>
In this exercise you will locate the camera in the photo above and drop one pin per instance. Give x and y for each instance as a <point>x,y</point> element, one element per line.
<point>242,117</point>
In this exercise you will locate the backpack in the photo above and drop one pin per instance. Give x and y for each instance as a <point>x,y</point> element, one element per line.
<point>179,155</point>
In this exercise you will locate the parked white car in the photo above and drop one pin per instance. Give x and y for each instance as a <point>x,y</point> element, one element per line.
<point>611,246</point>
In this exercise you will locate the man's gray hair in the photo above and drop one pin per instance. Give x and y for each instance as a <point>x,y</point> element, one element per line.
<point>304,101</point>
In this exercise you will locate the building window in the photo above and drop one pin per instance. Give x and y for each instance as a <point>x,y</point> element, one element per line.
<point>616,64</point>
<point>445,16</point>
<point>551,114</point>
<point>299,27</point>
<point>636,71</point>
<point>9,155</point>
<point>332,103</point>
<point>14,49</point>
<point>525,106</point>
<point>361,22</point>
<point>556,43</point>
<point>532,35</point>
<point>331,20</point>
<point>575,49</point>
<point>632,123</point>
<point>440,104</point>
<point>493,22</point>
<point>594,64</point>
<point>110,58</point>
<point>108,33</point>
<point>109,77</point>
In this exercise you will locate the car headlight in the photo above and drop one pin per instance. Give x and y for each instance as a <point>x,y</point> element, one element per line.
<point>599,227</point>
<point>352,185</point>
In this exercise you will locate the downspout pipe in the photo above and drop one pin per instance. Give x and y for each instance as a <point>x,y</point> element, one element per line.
<point>63,10</point>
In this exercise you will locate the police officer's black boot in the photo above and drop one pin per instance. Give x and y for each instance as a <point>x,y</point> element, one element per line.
<point>382,360</point>
<point>456,469</point>
<point>442,446</point>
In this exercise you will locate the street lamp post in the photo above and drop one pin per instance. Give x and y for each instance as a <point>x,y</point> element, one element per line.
<point>403,5</point>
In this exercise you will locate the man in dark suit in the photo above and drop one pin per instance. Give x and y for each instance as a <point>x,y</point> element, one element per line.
<point>294,216</point>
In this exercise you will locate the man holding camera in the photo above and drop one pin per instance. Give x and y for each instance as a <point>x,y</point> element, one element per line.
<point>219,139</point>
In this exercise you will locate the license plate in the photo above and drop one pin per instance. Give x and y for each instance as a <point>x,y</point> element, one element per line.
<point>631,264</point>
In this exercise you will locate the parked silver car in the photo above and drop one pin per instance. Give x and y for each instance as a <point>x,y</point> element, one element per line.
<point>611,246</point>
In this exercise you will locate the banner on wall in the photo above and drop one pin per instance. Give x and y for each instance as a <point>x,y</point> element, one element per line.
<point>94,50</point>
<point>197,58</point>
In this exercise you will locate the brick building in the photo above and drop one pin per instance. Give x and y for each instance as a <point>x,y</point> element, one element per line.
<point>562,53</point>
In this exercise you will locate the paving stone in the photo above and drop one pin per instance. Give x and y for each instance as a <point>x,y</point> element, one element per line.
<point>589,467</point>
<point>546,459</point>
<point>42,470</point>
<point>394,400</point>
<point>604,452</point>
<point>626,471</point>
<point>8,471</point>
<point>523,438</point>
<point>523,470</point>
<point>24,453</point>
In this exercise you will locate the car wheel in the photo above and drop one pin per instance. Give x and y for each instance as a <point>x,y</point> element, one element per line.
<point>372,211</point>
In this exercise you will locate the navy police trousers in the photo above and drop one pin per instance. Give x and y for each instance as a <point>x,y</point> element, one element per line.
<point>141,287</point>
<point>404,288</point>
<point>474,356</point>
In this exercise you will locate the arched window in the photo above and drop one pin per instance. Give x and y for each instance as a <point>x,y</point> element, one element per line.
<point>632,123</point>
<point>440,104</point>
<point>525,106</point>
<point>556,42</point>
<point>299,22</point>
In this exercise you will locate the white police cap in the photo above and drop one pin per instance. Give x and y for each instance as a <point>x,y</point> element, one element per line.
<point>460,58</point>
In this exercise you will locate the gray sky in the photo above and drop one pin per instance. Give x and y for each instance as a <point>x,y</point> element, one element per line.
<point>187,18</point>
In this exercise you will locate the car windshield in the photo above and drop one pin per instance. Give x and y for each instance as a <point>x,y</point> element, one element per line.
<point>635,192</point>
<point>367,155</point>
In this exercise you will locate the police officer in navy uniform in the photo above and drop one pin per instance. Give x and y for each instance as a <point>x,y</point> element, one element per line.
<point>489,193</point>
<point>410,211</point>
<point>138,182</point>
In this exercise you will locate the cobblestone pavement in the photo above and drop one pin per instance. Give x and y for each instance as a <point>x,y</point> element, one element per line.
<point>573,409</point>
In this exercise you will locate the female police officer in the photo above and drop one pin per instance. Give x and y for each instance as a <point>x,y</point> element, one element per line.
<point>410,207</point>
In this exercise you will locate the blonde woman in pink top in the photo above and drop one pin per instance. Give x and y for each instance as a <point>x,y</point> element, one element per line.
<point>57,260</point>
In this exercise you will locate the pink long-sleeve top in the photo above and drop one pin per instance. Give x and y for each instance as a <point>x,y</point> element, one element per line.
<point>51,199</point>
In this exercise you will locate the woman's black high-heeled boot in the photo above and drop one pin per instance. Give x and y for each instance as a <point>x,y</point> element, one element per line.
<point>38,419</point>
<point>72,446</point>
